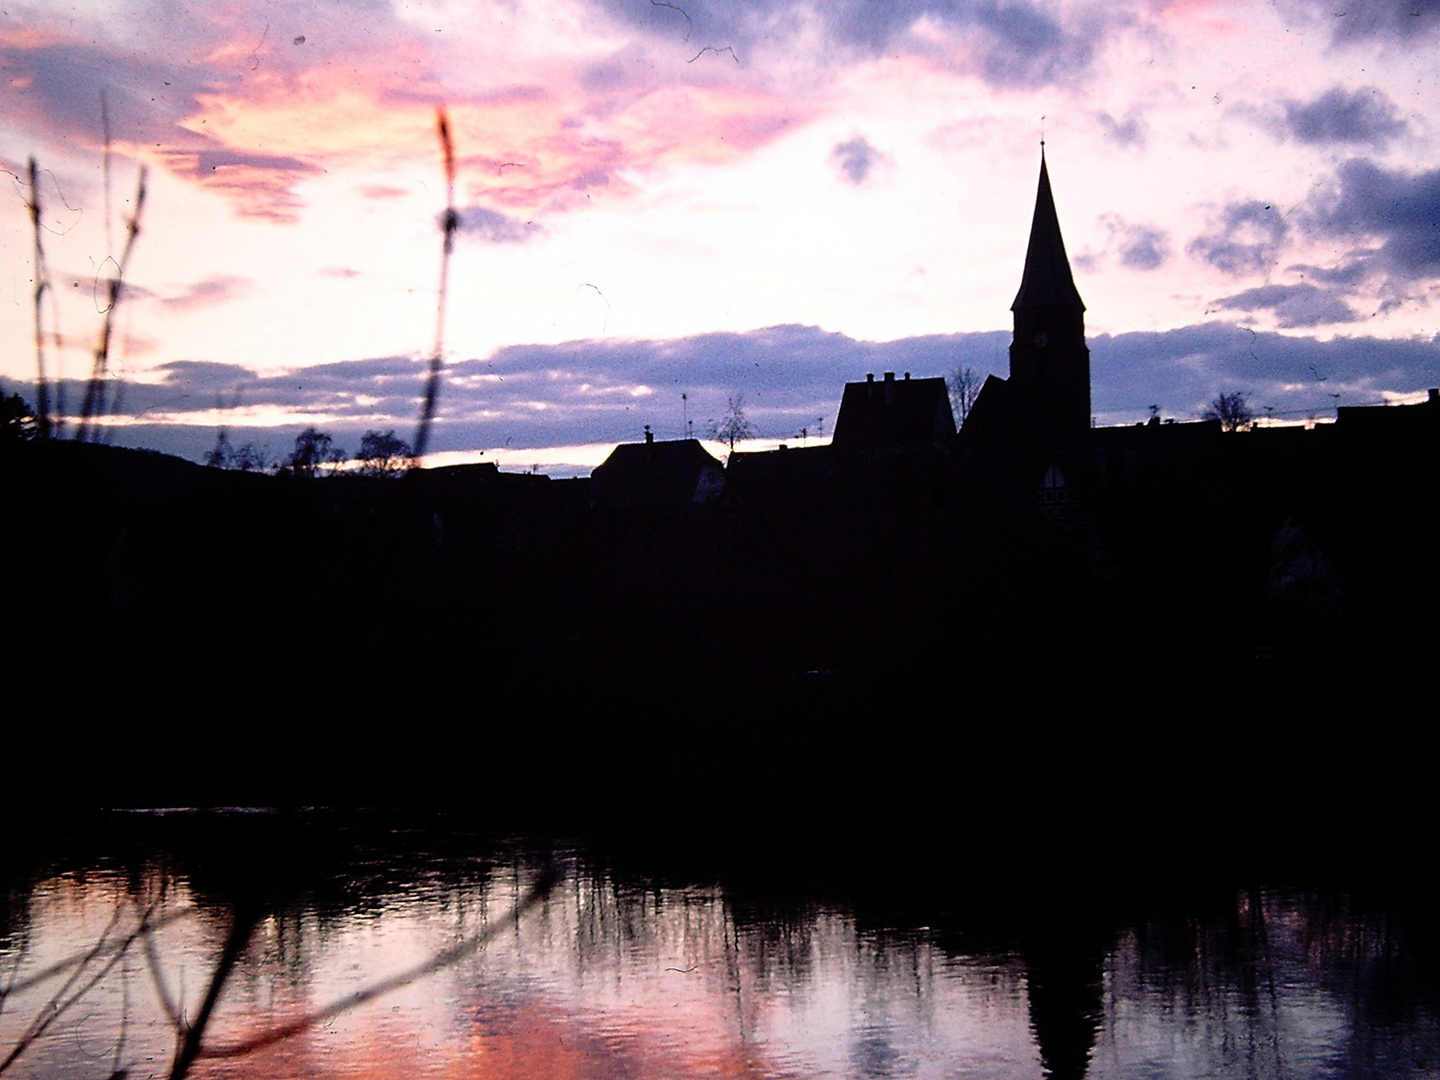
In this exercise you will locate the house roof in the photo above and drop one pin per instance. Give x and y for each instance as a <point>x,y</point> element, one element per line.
<point>651,473</point>
<point>1047,281</point>
<point>894,414</point>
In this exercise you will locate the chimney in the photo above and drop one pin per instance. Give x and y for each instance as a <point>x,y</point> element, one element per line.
<point>907,376</point>
<point>870,377</point>
<point>649,435</point>
<point>1433,396</point>
<point>889,376</point>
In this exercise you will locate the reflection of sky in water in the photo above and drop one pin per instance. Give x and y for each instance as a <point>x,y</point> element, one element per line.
<point>610,980</point>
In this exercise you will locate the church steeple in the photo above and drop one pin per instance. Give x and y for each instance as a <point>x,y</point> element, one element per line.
<point>1047,281</point>
<point>1049,362</point>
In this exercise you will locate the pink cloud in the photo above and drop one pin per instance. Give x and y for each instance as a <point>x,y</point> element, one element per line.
<point>232,104</point>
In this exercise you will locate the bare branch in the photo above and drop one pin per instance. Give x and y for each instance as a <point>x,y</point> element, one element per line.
<point>449,224</point>
<point>42,282</point>
<point>57,1007</point>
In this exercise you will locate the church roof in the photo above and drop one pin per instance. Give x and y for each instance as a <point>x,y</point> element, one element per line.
<point>1047,281</point>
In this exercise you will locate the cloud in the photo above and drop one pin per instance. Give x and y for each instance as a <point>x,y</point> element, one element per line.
<point>1144,248</point>
<point>1383,226</point>
<point>586,392</point>
<point>1184,369</point>
<point>855,159</point>
<point>1136,246</point>
<point>1246,240</point>
<point>1396,210</point>
<point>1365,117</point>
<point>1127,132</point>
<point>1006,43</point>
<point>494,227</point>
<point>1401,19</point>
<point>1302,305</point>
<point>223,98</point>
<point>382,191</point>
<point>212,290</point>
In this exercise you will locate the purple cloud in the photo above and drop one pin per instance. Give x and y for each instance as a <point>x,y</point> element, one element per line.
<point>493,227</point>
<point>1301,305</point>
<point>1366,117</point>
<point>855,159</point>
<point>1399,210</point>
<point>1247,239</point>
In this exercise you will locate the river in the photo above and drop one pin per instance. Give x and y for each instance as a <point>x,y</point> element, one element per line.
<point>357,945</point>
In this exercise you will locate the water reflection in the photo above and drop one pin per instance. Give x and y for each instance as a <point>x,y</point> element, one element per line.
<point>398,963</point>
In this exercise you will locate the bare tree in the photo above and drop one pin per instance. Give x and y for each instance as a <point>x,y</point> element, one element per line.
<point>733,425</point>
<point>313,449</point>
<point>1231,410</point>
<point>964,386</point>
<point>250,458</point>
<point>382,454</point>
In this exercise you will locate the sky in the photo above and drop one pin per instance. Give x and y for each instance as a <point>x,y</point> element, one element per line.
<point>667,206</point>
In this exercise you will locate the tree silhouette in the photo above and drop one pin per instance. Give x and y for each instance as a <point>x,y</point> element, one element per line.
<point>222,453</point>
<point>382,454</point>
<point>17,419</point>
<point>733,425</point>
<point>964,386</point>
<point>1231,410</point>
<point>250,458</point>
<point>313,448</point>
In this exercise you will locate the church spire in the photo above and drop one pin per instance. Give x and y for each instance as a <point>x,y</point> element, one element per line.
<point>1047,282</point>
<point>1049,362</point>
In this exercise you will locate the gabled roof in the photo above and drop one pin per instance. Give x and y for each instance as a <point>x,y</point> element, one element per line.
<point>904,414</point>
<point>1047,281</point>
<point>675,474</point>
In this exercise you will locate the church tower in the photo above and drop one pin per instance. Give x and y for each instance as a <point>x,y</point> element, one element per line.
<point>1049,362</point>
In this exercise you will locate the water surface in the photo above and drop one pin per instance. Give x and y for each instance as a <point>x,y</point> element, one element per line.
<point>423,951</point>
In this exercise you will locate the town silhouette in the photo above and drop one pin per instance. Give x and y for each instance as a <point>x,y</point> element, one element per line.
<point>1011,681</point>
<point>909,593</point>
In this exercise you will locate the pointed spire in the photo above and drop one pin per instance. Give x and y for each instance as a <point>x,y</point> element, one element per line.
<point>1047,281</point>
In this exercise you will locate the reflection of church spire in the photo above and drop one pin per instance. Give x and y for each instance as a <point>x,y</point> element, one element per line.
<point>1049,363</point>
<point>1067,1002</point>
<point>1047,282</point>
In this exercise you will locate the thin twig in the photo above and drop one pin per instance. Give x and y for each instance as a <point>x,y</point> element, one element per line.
<point>147,926</point>
<point>54,1009</point>
<point>449,224</point>
<point>42,282</point>
<point>95,390</point>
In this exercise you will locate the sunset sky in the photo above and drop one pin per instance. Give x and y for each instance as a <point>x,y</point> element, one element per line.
<point>763,198</point>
